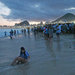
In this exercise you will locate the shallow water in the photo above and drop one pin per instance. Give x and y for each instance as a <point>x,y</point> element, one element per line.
<point>2,32</point>
<point>48,56</point>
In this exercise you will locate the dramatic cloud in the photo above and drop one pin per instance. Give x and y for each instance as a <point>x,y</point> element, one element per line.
<point>4,10</point>
<point>36,10</point>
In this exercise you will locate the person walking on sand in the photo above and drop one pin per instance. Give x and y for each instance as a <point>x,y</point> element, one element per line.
<point>24,56</point>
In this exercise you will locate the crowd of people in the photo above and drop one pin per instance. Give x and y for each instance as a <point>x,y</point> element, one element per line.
<point>49,29</point>
<point>14,32</point>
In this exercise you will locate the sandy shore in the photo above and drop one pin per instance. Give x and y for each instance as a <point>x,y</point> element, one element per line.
<point>51,57</point>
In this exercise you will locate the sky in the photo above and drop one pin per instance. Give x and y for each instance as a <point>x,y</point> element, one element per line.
<point>15,11</point>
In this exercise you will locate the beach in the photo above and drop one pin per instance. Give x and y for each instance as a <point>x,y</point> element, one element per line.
<point>47,56</point>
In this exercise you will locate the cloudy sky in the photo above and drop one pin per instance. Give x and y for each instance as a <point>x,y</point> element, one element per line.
<point>12,11</point>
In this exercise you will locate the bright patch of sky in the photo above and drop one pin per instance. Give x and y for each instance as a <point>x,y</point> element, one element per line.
<point>36,5</point>
<point>72,8</point>
<point>4,10</point>
<point>35,10</point>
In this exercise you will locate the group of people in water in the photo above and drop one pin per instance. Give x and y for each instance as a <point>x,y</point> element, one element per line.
<point>48,31</point>
<point>14,32</point>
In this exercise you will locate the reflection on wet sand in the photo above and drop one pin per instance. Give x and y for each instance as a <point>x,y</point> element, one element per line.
<point>49,46</point>
<point>48,56</point>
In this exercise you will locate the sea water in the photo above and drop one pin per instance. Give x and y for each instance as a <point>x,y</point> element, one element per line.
<point>2,32</point>
<point>54,56</point>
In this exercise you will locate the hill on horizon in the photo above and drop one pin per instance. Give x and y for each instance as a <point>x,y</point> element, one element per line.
<point>68,18</point>
<point>24,23</point>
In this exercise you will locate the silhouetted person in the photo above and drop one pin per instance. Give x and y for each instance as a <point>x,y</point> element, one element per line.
<point>11,33</point>
<point>28,31</point>
<point>22,31</point>
<point>25,31</point>
<point>15,32</point>
<point>5,33</point>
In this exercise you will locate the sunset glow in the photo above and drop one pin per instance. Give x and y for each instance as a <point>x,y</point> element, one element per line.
<point>16,11</point>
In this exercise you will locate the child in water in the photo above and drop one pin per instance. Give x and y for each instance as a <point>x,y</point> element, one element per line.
<point>24,56</point>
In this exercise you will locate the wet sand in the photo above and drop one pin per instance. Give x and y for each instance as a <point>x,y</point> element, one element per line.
<point>48,56</point>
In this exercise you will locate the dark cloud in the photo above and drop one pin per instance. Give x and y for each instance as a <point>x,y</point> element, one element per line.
<point>38,9</point>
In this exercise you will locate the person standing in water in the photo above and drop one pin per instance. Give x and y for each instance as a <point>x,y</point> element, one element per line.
<point>14,32</point>
<point>25,32</point>
<point>50,32</point>
<point>17,32</point>
<point>24,56</point>
<point>5,33</point>
<point>11,33</point>
<point>58,31</point>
